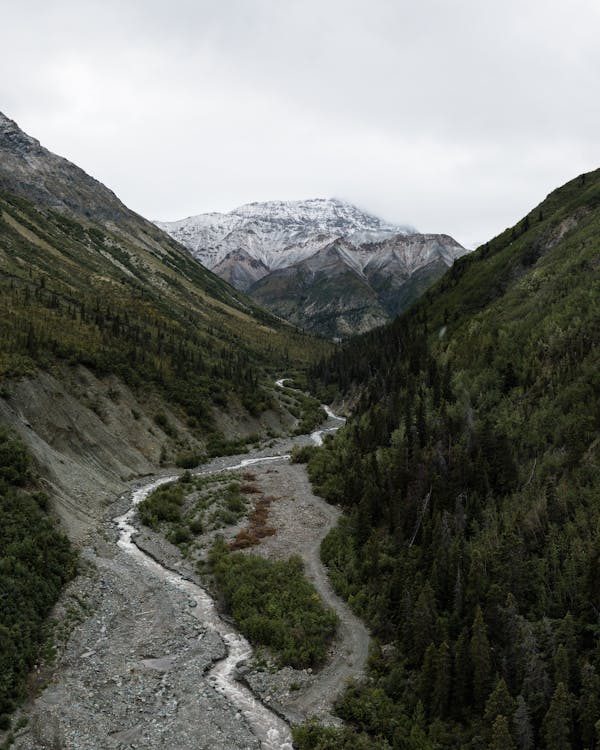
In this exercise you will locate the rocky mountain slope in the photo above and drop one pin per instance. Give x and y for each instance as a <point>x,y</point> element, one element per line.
<point>118,351</point>
<point>278,233</point>
<point>325,265</point>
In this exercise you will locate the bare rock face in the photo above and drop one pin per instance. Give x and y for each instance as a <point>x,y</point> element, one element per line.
<point>322,264</point>
<point>29,170</point>
<point>241,270</point>
<point>58,183</point>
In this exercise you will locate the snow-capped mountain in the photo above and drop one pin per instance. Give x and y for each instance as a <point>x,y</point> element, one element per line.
<point>323,264</point>
<point>277,233</point>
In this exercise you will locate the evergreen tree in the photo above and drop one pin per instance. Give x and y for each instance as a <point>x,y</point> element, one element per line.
<point>461,689</point>
<point>443,681</point>
<point>481,660</point>
<point>427,677</point>
<point>501,737</point>
<point>418,734</point>
<point>522,725</point>
<point>588,707</point>
<point>561,666</point>
<point>557,724</point>
<point>500,703</point>
<point>536,686</point>
<point>567,637</point>
<point>424,621</point>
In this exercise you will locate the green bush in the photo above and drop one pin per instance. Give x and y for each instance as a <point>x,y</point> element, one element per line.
<point>274,605</point>
<point>302,455</point>
<point>164,504</point>
<point>189,459</point>
<point>313,736</point>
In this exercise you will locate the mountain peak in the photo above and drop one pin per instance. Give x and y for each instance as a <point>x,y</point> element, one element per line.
<point>15,139</point>
<point>322,263</point>
<point>278,232</point>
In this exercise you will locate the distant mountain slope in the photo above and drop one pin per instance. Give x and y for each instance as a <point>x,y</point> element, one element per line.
<point>342,289</point>
<point>117,349</point>
<point>278,233</point>
<point>29,170</point>
<point>281,254</point>
<point>469,471</point>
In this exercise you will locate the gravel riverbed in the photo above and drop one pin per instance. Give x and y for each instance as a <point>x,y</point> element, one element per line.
<point>134,668</point>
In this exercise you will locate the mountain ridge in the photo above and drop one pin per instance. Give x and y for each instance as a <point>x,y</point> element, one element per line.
<point>281,228</point>
<point>275,251</point>
<point>96,300</point>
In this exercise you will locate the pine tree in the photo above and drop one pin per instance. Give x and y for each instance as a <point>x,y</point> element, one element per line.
<point>588,708</point>
<point>480,659</point>
<point>536,686</point>
<point>443,681</point>
<point>561,666</point>
<point>522,725</point>
<point>557,724</point>
<point>500,703</point>
<point>567,637</point>
<point>501,737</point>
<point>418,734</point>
<point>461,689</point>
<point>424,621</point>
<point>427,677</point>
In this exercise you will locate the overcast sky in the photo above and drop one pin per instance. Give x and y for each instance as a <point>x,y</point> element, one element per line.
<point>454,116</point>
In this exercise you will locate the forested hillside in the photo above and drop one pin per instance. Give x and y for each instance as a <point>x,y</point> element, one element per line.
<point>85,280</point>
<point>73,293</point>
<point>470,475</point>
<point>35,561</point>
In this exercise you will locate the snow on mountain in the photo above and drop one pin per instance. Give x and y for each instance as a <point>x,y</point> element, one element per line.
<point>323,264</point>
<point>278,233</point>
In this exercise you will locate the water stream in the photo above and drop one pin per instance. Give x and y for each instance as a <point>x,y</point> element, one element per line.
<point>272,732</point>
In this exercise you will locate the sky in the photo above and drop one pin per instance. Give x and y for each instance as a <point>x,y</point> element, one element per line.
<point>454,116</point>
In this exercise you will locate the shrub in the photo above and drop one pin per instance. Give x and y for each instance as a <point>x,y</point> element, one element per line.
<point>274,605</point>
<point>189,459</point>
<point>302,455</point>
<point>164,504</point>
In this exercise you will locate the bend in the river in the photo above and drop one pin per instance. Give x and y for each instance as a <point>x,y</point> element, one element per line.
<point>269,728</point>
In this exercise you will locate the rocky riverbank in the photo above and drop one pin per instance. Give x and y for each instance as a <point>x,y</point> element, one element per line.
<point>134,670</point>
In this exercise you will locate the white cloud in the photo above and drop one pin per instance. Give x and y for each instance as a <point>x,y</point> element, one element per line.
<point>454,117</point>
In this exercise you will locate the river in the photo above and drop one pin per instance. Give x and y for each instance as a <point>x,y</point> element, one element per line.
<point>272,732</point>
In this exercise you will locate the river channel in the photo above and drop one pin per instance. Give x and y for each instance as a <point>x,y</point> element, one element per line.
<point>272,731</point>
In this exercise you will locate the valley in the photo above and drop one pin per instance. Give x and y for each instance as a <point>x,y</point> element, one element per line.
<point>147,660</point>
<point>422,575</point>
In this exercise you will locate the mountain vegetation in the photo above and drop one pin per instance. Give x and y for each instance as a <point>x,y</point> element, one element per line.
<point>84,280</point>
<point>342,290</point>
<point>74,293</point>
<point>274,605</point>
<point>469,473</point>
<point>36,560</point>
